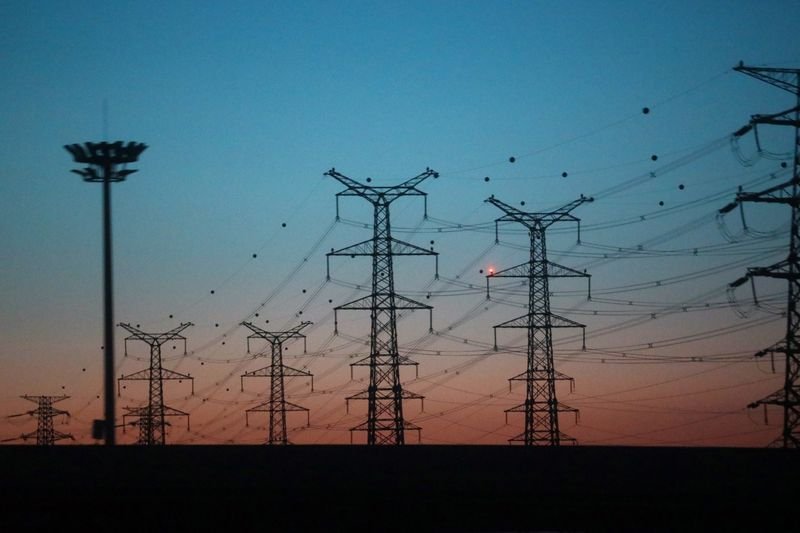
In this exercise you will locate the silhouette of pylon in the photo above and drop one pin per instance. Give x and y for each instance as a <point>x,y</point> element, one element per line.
<point>788,193</point>
<point>45,434</point>
<point>151,418</point>
<point>385,423</point>
<point>277,406</point>
<point>541,405</point>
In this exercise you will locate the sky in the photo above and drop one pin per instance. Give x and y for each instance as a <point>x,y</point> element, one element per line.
<point>244,107</point>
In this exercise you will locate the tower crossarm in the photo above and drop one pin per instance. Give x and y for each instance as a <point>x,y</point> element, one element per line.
<point>381,302</point>
<point>267,407</point>
<point>155,338</point>
<point>147,374</point>
<point>554,270</point>
<point>537,320</point>
<point>365,303</point>
<point>275,337</point>
<point>146,412</point>
<point>539,221</point>
<point>787,79</point>
<point>780,270</point>
<point>540,321</point>
<point>268,372</point>
<point>383,195</point>
<point>778,194</point>
<point>367,248</point>
<point>781,118</point>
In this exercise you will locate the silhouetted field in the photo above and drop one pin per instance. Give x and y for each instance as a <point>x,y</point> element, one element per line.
<point>412,488</point>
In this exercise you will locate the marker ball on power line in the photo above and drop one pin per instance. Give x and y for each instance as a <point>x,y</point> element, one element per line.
<point>654,157</point>
<point>255,255</point>
<point>486,178</point>
<point>283,225</point>
<point>783,164</point>
<point>512,159</point>
<point>170,316</point>
<point>304,291</point>
<point>522,202</point>
<point>216,325</point>
<point>645,110</point>
<point>369,180</point>
<point>681,187</point>
<point>212,291</point>
<point>256,314</point>
<point>330,301</point>
<point>661,203</point>
<point>563,174</point>
<point>480,271</point>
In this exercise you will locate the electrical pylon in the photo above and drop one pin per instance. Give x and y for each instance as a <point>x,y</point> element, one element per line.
<point>787,193</point>
<point>541,406</point>
<point>276,371</point>
<point>45,434</point>
<point>385,423</point>
<point>151,418</point>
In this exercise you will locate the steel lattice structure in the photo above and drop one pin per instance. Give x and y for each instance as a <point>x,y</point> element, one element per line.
<point>45,434</point>
<point>385,423</point>
<point>151,419</point>
<point>277,406</point>
<point>541,406</point>
<point>787,193</point>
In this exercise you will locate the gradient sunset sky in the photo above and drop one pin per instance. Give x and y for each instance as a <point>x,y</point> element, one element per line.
<point>244,106</point>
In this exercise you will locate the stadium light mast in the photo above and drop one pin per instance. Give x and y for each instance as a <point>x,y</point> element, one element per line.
<point>106,163</point>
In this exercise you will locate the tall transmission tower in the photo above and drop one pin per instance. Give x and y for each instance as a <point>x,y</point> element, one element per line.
<point>107,164</point>
<point>277,406</point>
<point>385,423</point>
<point>45,434</point>
<point>787,193</point>
<point>151,418</point>
<point>541,406</point>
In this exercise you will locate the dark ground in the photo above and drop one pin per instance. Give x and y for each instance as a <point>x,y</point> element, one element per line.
<point>411,488</point>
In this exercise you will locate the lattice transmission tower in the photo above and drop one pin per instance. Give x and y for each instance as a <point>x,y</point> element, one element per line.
<point>385,423</point>
<point>541,406</point>
<point>45,434</point>
<point>788,193</point>
<point>152,418</point>
<point>277,406</point>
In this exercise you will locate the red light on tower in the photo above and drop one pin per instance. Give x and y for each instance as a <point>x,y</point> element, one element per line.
<point>490,270</point>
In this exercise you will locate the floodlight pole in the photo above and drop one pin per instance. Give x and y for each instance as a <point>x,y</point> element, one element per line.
<point>104,160</point>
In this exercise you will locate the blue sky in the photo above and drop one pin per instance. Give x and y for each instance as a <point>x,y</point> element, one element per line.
<point>245,105</point>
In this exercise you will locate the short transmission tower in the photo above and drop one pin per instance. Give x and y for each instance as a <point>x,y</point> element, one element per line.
<point>787,193</point>
<point>385,394</point>
<point>277,406</point>
<point>151,418</point>
<point>46,434</point>
<point>541,407</point>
